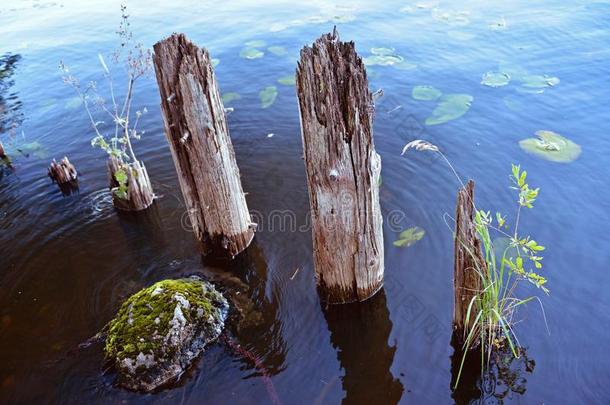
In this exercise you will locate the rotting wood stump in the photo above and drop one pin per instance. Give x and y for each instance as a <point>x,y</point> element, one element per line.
<point>134,192</point>
<point>62,172</point>
<point>198,135</point>
<point>336,110</point>
<point>468,261</point>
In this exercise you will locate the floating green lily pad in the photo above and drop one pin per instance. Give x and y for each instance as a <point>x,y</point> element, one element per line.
<point>257,43</point>
<point>551,146</point>
<point>215,62</point>
<point>450,107</point>
<point>251,53</point>
<point>382,60</point>
<point>404,65</point>
<point>73,103</point>
<point>512,103</point>
<point>495,79</point>
<point>277,50</point>
<point>268,96</point>
<point>32,149</point>
<point>425,93</point>
<point>458,18</point>
<point>289,80</point>
<point>409,237</point>
<point>539,81</point>
<point>516,72</point>
<point>229,97</point>
<point>382,51</point>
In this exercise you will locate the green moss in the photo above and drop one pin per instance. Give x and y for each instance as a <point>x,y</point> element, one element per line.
<point>143,320</point>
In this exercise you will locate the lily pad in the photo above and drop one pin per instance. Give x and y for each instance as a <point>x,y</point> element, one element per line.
<point>495,79</point>
<point>268,96</point>
<point>257,43</point>
<point>73,103</point>
<point>404,65</point>
<point>382,51</point>
<point>289,80</point>
<point>513,104</point>
<point>458,18</point>
<point>450,107</point>
<point>551,146</point>
<point>425,93</point>
<point>32,149</point>
<point>382,60</point>
<point>539,81</point>
<point>409,237</point>
<point>215,62</point>
<point>516,72</point>
<point>251,53</point>
<point>229,97</point>
<point>277,50</point>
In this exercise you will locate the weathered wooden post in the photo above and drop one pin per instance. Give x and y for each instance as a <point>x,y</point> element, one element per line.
<point>135,192</point>
<point>467,259</point>
<point>62,172</point>
<point>343,170</point>
<point>197,132</point>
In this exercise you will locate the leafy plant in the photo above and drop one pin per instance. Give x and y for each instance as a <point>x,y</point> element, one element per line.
<point>491,312</point>
<point>137,62</point>
<point>409,237</point>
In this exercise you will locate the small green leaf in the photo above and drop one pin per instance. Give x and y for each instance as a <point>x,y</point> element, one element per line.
<point>268,96</point>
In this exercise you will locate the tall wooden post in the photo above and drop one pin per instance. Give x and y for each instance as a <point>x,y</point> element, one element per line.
<point>343,170</point>
<point>468,260</point>
<point>197,132</point>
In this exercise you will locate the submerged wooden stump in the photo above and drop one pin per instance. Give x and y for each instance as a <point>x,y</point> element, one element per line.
<point>136,193</point>
<point>197,132</point>
<point>343,170</point>
<point>468,261</point>
<point>62,172</point>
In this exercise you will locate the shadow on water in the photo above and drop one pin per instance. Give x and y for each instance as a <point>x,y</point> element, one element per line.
<point>10,106</point>
<point>360,332</point>
<point>500,382</point>
<point>254,324</point>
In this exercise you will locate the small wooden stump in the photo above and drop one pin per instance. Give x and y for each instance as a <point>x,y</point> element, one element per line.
<point>139,194</point>
<point>343,170</point>
<point>198,135</point>
<point>467,259</point>
<point>62,172</point>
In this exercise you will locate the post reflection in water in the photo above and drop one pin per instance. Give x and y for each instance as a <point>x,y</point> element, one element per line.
<point>502,378</point>
<point>255,325</point>
<point>360,332</point>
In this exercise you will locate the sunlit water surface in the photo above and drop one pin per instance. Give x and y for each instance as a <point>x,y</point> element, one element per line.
<point>67,262</point>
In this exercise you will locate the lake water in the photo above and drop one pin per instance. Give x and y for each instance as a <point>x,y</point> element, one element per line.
<point>67,262</point>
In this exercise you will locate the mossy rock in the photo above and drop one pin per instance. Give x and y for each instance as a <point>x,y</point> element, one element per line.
<point>160,330</point>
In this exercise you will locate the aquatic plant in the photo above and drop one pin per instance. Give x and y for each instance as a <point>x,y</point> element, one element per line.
<point>450,107</point>
<point>118,145</point>
<point>551,146</point>
<point>409,237</point>
<point>268,96</point>
<point>491,312</point>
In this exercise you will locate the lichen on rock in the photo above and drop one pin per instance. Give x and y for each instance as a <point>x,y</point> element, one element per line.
<point>158,331</point>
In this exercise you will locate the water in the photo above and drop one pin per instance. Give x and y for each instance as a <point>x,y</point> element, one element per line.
<point>66,262</point>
